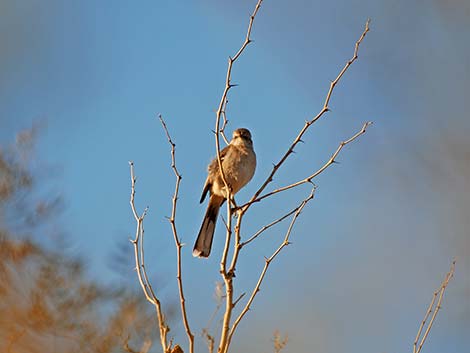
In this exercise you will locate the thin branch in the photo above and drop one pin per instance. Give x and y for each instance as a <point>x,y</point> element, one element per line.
<point>308,123</point>
<point>432,309</point>
<point>228,236</point>
<point>309,179</point>
<point>227,276</point>
<point>142,256</point>
<point>224,122</point>
<point>237,246</point>
<point>228,86</point>
<point>268,262</point>
<point>140,266</point>
<point>238,299</point>
<point>267,226</point>
<point>178,243</point>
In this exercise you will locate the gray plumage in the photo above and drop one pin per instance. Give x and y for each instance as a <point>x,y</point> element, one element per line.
<point>239,164</point>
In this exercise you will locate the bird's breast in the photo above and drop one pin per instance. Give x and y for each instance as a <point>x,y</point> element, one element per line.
<point>240,172</point>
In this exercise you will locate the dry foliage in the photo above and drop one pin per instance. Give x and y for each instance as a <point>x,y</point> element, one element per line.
<point>47,301</point>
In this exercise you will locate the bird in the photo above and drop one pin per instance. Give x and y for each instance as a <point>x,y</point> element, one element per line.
<point>238,160</point>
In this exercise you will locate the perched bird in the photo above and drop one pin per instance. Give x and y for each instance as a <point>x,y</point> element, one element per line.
<point>238,164</point>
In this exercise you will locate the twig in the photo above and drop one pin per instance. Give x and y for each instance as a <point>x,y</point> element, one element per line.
<point>225,122</point>
<point>178,243</point>
<point>268,262</point>
<point>227,331</point>
<point>238,299</point>
<point>228,86</point>
<point>237,246</point>
<point>312,121</point>
<point>267,226</point>
<point>432,309</point>
<point>315,174</point>
<point>140,267</point>
<point>227,277</point>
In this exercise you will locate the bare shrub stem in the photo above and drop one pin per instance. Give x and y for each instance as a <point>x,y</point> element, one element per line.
<point>434,309</point>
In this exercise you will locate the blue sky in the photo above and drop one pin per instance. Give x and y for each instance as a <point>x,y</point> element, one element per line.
<point>367,253</point>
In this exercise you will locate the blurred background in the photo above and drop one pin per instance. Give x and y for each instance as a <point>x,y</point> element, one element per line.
<point>85,81</point>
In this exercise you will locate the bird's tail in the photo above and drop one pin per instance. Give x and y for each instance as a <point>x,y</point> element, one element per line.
<point>202,247</point>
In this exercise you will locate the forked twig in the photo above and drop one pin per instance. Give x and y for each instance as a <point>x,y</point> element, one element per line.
<point>178,243</point>
<point>239,244</point>
<point>140,266</point>
<point>267,226</point>
<point>432,309</point>
<point>318,172</point>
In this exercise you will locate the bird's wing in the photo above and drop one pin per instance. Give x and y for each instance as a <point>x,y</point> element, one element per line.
<point>213,170</point>
<point>206,188</point>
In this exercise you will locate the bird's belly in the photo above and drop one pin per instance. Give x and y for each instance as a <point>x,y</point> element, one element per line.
<point>241,173</point>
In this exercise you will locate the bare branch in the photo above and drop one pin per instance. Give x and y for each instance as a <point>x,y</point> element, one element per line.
<point>318,172</point>
<point>227,276</point>
<point>228,86</point>
<point>178,243</point>
<point>239,245</point>
<point>313,120</point>
<point>225,122</point>
<point>267,226</point>
<point>432,309</point>
<point>268,262</point>
<point>140,266</point>
<point>228,236</point>
<point>238,299</point>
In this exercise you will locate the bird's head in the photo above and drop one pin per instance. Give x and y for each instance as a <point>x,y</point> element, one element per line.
<point>241,137</point>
